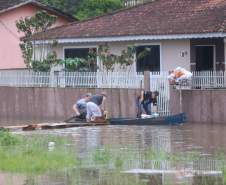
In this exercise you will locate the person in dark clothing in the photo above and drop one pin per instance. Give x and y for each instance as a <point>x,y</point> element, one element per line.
<point>144,102</point>
<point>98,99</point>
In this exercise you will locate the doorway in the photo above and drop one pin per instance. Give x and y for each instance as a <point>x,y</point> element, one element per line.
<point>205,58</point>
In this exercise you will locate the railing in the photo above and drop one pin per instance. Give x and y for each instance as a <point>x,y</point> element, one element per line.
<point>129,3</point>
<point>103,79</point>
<point>159,82</point>
<point>208,79</point>
<point>24,79</point>
<point>71,79</point>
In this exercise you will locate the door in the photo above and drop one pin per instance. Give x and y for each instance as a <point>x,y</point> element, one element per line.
<point>204,58</point>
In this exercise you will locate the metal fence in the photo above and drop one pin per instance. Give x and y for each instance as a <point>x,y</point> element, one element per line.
<point>71,79</point>
<point>159,82</point>
<point>25,78</point>
<point>208,79</point>
<point>129,3</point>
<point>102,79</point>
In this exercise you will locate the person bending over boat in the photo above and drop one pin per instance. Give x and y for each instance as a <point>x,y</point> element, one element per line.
<point>80,107</point>
<point>144,103</point>
<point>95,112</point>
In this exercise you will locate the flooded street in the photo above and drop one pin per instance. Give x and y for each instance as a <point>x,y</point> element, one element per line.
<point>190,154</point>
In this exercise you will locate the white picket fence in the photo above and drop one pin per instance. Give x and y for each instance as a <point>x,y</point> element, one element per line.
<point>129,3</point>
<point>159,82</point>
<point>24,78</point>
<point>208,79</point>
<point>103,79</point>
<point>71,79</point>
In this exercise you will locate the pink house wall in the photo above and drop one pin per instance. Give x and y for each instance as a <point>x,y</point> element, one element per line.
<point>10,53</point>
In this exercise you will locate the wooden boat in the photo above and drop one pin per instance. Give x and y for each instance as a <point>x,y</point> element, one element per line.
<point>162,120</point>
<point>75,122</point>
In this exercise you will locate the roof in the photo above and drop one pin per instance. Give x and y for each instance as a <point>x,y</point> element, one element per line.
<point>161,17</point>
<point>7,5</point>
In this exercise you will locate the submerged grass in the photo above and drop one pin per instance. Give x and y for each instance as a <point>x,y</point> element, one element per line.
<point>33,154</point>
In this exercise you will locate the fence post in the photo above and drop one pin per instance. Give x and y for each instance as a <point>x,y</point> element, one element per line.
<point>52,79</point>
<point>62,77</point>
<point>147,80</point>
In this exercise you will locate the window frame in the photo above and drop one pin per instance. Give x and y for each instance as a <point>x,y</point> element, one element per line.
<point>83,47</point>
<point>150,44</point>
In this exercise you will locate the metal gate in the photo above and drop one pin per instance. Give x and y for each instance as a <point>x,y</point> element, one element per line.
<point>159,82</point>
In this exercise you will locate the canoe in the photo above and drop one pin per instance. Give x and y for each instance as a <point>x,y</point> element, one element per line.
<point>162,120</point>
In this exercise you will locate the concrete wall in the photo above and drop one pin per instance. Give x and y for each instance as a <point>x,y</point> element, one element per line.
<point>10,53</point>
<point>201,106</point>
<point>35,105</point>
<point>170,54</point>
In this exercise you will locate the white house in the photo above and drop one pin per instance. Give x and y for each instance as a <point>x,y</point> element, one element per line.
<point>186,33</point>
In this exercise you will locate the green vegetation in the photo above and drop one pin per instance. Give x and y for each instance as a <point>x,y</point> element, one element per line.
<point>126,58</point>
<point>81,64</point>
<point>7,139</point>
<point>92,8</point>
<point>40,22</point>
<point>83,9</point>
<point>33,155</point>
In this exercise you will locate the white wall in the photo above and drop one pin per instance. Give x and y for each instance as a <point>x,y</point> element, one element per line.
<point>171,53</point>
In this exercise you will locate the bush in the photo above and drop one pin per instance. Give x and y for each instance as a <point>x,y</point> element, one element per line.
<point>7,139</point>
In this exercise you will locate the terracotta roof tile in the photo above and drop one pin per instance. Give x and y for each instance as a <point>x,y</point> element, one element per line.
<point>157,18</point>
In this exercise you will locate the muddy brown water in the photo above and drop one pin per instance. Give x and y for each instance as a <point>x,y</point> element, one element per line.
<point>206,139</point>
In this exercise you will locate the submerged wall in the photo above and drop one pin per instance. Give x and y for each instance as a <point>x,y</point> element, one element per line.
<point>34,105</point>
<point>201,106</point>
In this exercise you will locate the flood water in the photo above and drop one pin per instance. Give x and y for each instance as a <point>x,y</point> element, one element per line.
<point>135,168</point>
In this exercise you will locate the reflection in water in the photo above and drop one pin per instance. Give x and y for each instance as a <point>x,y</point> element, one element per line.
<point>122,155</point>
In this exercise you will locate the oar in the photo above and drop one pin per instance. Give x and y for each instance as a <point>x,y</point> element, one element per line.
<point>70,119</point>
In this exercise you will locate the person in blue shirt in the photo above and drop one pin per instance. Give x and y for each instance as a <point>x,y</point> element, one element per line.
<point>80,107</point>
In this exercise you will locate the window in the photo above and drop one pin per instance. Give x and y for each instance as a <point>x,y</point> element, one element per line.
<point>81,53</point>
<point>148,58</point>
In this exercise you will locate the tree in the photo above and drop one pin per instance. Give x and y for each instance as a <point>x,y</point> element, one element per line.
<point>40,22</point>
<point>63,5</point>
<point>92,8</point>
<point>109,60</point>
<point>83,9</point>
